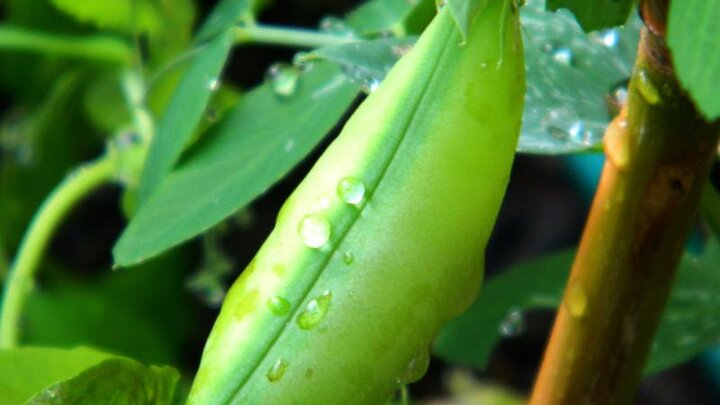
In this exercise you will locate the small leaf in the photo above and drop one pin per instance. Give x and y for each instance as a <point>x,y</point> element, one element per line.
<point>255,145</point>
<point>225,14</point>
<point>27,370</point>
<point>693,33</point>
<point>114,381</point>
<point>464,12</point>
<point>688,326</point>
<point>595,14</point>
<point>184,111</point>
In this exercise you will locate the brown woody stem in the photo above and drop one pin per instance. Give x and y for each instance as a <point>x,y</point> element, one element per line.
<point>659,152</point>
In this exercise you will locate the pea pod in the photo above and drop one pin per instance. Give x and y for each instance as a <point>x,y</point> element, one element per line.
<point>383,241</point>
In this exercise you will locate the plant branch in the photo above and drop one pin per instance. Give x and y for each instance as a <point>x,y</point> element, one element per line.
<point>101,48</point>
<point>659,152</point>
<point>291,37</point>
<point>56,206</point>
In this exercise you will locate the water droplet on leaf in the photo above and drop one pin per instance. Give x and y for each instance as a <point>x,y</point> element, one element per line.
<point>513,324</point>
<point>212,84</point>
<point>348,258</point>
<point>283,79</point>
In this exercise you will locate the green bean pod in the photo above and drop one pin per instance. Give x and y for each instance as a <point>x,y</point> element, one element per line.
<point>383,241</point>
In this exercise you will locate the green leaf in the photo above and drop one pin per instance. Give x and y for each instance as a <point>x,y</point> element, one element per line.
<point>147,314</point>
<point>225,14</point>
<point>255,145</point>
<point>595,14</point>
<point>123,15</point>
<point>561,116</point>
<point>693,33</point>
<point>464,12</point>
<point>114,381</point>
<point>689,324</point>
<point>365,62</point>
<point>27,370</point>
<point>398,16</point>
<point>184,111</point>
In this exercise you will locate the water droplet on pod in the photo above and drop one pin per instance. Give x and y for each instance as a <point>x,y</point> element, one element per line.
<point>351,190</point>
<point>278,305</point>
<point>577,300</point>
<point>647,88</point>
<point>314,311</point>
<point>277,370</point>
<point>314,230</point>
<point>416,368</point>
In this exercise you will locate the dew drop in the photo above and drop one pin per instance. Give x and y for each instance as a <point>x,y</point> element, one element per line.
<point>609,37</point>
<point>416,368</point>
<point>577,300</point>
<point>336,26</point>
<point>212,84</point>
<point>314,312</point>
<point>323,202</point>
<point>513,324</point>
<point>563,55</point>
<point>351,190</point>
<point>302,61</point>
<point>278,305</point>
<point>314,230</point>
<point>348,258</point>
<point>283,79</point>
<point>277,370</point>
<point>646,88</point>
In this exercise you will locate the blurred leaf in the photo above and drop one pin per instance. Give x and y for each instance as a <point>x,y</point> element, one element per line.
<point>464,12</point>
<point>690,323</point>
<point>264,136</point>
<point>571,77</point>
<point>693,33</point>
<point>178,17</point>
<point>123,15</point>
<point>398,16</point>
<point>145,314</point>
<point>27,370</point>
<point>184,111</point>
<point>114,381</point>
<point>105,104</point>
<point>225,14</point>
<point>595,14</point>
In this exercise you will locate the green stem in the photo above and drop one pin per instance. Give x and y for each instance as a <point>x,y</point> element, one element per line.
<point>291,37</point>
<point>56,206</point>
<point>710,207</point>
<point>101,48</point>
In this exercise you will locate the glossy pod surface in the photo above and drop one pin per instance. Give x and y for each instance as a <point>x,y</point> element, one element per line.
<point>383,241</point>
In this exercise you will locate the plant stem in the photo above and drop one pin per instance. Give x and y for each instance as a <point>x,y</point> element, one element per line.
<point>291,37</point>
<point>101,48</point>
<point>659,152</point>
<point>56,206</point>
